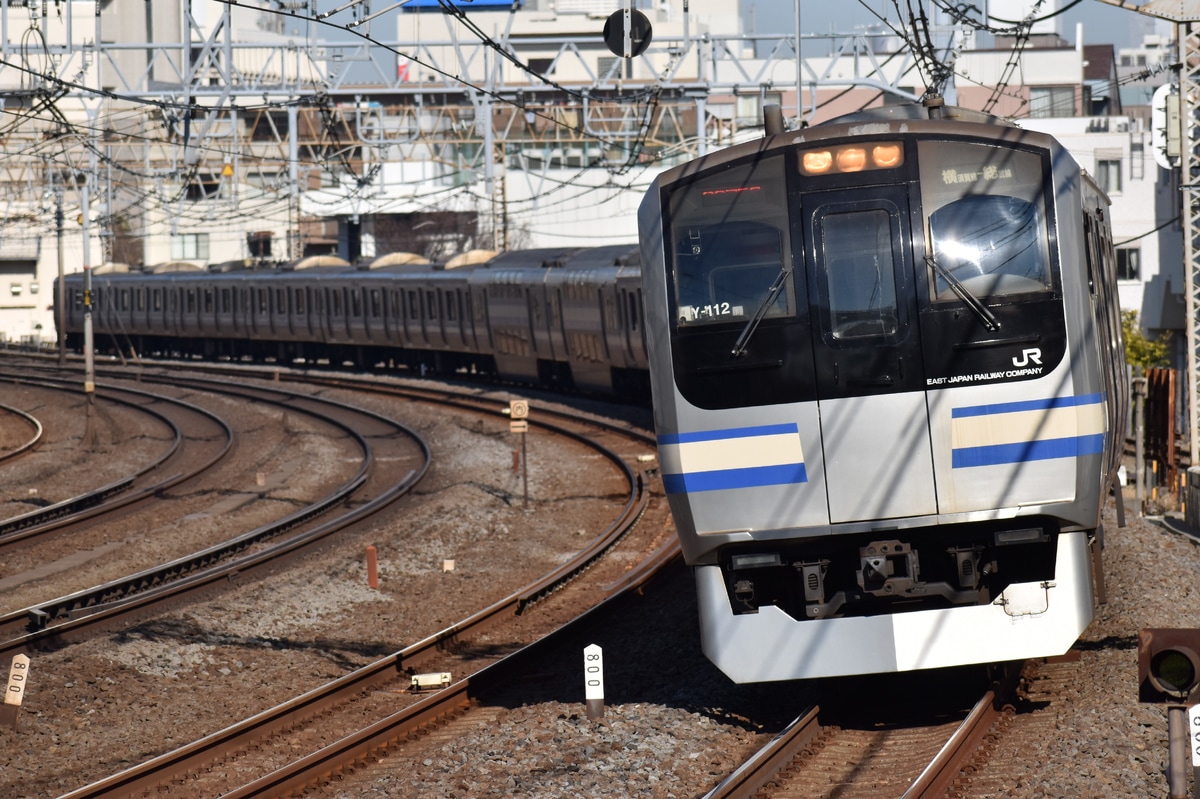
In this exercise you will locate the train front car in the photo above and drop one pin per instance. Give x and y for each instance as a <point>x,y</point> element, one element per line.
<point>887,386</point>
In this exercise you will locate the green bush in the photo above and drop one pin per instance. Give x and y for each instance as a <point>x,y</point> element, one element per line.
<point>1139,350</point>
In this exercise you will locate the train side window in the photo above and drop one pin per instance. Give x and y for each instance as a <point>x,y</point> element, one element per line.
<point>139,299</point>
<point>226,300</point>
<point>414,312</point>
<point>376,305</point>
<point>298,300</point>
<point>156,300</point>
<point>191,301</point>
<point>431,304</point>
<point>281,301</point>
<point>860,273</point>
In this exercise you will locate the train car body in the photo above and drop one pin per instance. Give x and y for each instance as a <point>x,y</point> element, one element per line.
<point>889,391</point>
<point>565,318</point>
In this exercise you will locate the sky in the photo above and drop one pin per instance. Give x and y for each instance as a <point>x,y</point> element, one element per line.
<point>1102,24</point>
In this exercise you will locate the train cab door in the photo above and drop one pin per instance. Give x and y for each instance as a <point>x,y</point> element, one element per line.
<point>867,355</point>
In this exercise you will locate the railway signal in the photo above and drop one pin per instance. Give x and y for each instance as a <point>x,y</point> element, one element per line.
<point>1169,674</point>
<point>1169,666</point>
<point>627,32</point>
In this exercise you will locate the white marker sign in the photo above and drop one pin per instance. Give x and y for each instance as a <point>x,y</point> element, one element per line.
<point>18,675</point>
<point>593,680</point>
<point>1194,723</point>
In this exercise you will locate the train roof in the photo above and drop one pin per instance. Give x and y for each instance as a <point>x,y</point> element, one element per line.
<point>568,257</point>
<point>574,258</point>
<point>918,111</point>
<point>898,120</point>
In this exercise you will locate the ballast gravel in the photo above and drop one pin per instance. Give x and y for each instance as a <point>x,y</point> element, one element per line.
<point>673,726</point>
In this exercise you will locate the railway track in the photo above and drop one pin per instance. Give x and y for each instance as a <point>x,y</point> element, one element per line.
<point>188,454</point>
<point>917,754</point>
<point>353,719</point>
<point>377,482</point>
<point>14,445</point>
<point>332,717</point>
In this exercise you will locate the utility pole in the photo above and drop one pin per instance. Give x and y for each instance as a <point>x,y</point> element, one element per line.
<point>60,300</point>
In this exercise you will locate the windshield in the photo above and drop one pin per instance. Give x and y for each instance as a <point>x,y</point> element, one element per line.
<point>729,239</point>
<point>986,221</point>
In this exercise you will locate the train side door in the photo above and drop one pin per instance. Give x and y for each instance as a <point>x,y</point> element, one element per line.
<point>867,355</point>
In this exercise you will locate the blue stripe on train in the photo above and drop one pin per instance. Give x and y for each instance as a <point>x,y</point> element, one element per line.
<point>723,435</point>
<point>1026,405</point>
<point>735,478</point>
<point>1023,451</point>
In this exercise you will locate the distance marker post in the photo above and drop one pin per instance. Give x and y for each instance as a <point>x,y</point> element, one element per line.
<point>593,681</point>
<point>14,694</point>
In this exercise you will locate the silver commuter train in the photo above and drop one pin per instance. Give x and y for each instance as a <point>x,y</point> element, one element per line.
<point>568,318</point>
<point>889,391</point>
<point>884,452</point>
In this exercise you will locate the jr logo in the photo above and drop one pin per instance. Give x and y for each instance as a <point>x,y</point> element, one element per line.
<point>1032,355</point>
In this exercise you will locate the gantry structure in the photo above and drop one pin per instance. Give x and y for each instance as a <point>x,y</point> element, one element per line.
<point>127,105</point>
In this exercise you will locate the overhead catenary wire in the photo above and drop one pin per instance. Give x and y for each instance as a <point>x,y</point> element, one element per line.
<point>166,189</point>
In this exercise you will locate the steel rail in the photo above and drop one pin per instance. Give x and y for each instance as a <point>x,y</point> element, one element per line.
<point>941,772</point>
<point>122,492</point>
<point>17,452</point>
<point>779,752</point>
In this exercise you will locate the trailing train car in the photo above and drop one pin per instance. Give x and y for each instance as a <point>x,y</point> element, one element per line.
<point>567,318</point>
<point>889,391</point>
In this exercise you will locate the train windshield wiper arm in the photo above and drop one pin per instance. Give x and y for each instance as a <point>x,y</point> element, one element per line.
<point>988,318</point>
<point>739,346</point>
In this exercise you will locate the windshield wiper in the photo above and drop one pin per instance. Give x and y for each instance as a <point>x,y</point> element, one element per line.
<point>739,346</point>
<point>986,317</point>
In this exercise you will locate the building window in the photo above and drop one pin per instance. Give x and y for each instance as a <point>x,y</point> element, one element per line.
<point>189,247</point>
<point>203,187</point>
<point>1108,174</point>
<point>1051,101</point>
<point>750,106</point>
<point>1129,263</point>
<point>610,67</point>
<point>259,244</point>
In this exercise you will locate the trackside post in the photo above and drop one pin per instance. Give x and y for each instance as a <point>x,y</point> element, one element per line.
<point>14,694</point>
<point>593,680</point>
